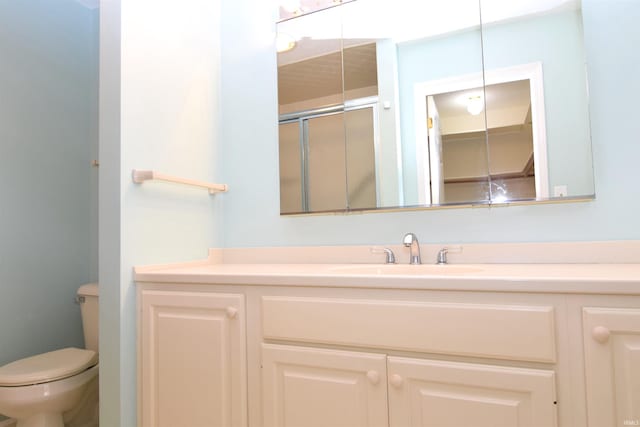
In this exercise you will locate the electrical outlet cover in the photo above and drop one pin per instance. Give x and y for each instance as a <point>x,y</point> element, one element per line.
<point>560,191</point>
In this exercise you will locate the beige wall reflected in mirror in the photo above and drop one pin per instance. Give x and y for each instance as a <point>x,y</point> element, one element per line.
<point>509,141</point>
<point>360,141</point>
<point>290,169</point>
<point>376,112</point>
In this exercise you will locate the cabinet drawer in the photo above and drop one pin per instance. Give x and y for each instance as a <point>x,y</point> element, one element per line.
<point>513,332</point>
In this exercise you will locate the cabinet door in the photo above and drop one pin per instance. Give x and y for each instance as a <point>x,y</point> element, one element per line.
<point>450,394</point>
<point>192,359</point>
<point>612,364</point>
<point>310,387</point>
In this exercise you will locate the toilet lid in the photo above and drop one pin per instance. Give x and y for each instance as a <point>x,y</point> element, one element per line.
<point>47,367</point>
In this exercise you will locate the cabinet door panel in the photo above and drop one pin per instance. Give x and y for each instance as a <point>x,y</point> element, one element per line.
<point>431,393</point>
<point>612,364</point>
<point>192,359</point>
<point>309,387</point>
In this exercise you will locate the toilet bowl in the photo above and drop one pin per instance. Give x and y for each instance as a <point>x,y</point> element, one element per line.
<point>38,391</point>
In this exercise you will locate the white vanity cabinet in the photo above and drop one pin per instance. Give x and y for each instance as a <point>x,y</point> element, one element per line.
<point>310,386</point>
<point>612,365</point>
<point>191,359</point>
<point>253,346</point>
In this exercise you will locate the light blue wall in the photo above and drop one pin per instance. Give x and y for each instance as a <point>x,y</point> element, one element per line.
<point>48,89</point>
<point>249,149</point>
<point>159,110</point>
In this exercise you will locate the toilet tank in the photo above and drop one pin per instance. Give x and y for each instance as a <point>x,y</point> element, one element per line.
<point>88,298</point>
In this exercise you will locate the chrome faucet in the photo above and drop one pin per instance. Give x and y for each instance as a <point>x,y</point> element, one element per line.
<point>442,256</point>
<point>411,241</point>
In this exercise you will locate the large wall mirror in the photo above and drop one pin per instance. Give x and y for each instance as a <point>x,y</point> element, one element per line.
<point>421,103</point>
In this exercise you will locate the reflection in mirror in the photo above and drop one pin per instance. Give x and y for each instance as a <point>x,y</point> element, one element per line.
<point>290,170</point>
<point>310,93</point>
<point>512,147</point>
<point>456,125</point>
<point>437,65</point>
<point>458,168</point>
<point>362,113</point>
<point>360,140</point>
<point>380,172</point>
<point>550,35</point>
<point>310,61</point>
<point>292,8</point>
<point>511,171</point>
<point>382,108</point>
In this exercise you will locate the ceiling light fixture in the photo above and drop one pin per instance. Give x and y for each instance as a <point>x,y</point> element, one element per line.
<point>475,105</point>
<point>284,42</point>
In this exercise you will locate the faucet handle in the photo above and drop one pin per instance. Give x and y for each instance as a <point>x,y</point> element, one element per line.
<point>442,256</point>
<point>391,258</point>
<point>442,253</point>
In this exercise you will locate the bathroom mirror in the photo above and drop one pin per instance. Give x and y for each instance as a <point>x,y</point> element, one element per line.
<point>432,103</point>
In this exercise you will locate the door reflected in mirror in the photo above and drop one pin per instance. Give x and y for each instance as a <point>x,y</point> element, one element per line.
<point>381,108</point>
<point>495,121</point>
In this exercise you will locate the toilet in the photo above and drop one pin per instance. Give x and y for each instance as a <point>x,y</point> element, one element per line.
<point>47,390</point>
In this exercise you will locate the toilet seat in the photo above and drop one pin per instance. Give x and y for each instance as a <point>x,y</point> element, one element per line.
<point>47,367</point>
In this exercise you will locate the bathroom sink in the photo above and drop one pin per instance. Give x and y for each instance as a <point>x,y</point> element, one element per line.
<point>406,269</point>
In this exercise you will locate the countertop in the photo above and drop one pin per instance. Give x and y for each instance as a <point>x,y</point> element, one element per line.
<point>540,278</point>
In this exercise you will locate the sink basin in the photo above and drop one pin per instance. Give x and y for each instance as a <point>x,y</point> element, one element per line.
<point>406,269</point>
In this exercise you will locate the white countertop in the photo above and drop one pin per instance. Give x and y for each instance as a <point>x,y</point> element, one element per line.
<point>539,278</point>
